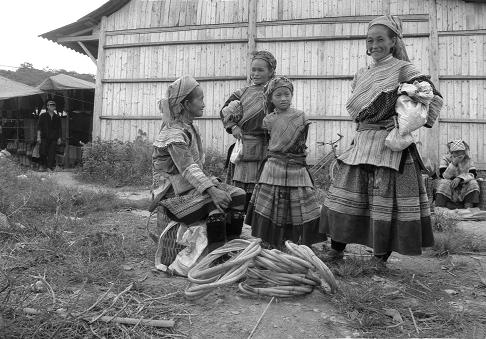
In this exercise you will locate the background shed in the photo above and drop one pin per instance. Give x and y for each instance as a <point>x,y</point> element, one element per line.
<point>143,45</point>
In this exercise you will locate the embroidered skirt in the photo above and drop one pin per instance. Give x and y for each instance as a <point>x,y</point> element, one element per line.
<point>379,207</point>
<point>279,213</point>
<point>460,193</point>
<point>193,206</point>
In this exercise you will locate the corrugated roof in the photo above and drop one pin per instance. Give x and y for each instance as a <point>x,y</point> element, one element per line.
<point>88,21</point>
<point>64,82</point>
<point>12,89</point>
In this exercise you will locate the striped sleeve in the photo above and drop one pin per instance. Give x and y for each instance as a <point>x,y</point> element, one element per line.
<point>186,166</point>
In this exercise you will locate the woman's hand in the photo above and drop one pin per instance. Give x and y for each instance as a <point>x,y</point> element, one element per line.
<point>455,182</point>
<point>236,131</point>
<point>220,198</point>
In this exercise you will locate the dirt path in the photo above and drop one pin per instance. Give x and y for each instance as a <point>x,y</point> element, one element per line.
<point>452,283</point>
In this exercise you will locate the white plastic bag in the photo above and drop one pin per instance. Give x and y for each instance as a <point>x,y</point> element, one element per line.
<point>236,153</point>
<point>195,239</point>
<point>397,142</point>
<point>412,106</point>
<point>411,114</point>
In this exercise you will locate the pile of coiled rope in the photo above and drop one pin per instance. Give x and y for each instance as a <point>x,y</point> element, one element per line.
<point>265,272</point>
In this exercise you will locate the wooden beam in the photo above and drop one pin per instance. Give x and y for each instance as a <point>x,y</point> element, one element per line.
<point>462,121</point>
<point>462,77</point>
<point>86,50</point>
<point>252,33</point>
<point>81,32</point>
<point>432,135</point>
<point>463,32</point>
<point>251,41</point>
<point>93,37</point>
<point>226,78</point>
<point>98,99</point>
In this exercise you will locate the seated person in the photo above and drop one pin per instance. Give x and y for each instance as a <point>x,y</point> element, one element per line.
<point>187,194</point>
<point>457,187</point>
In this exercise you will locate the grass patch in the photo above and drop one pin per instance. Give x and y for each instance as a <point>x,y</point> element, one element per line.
<point>118,163</point>
<point>450,239</point>
<point>62,253</point>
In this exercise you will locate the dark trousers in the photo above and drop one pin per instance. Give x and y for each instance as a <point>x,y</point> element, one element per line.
<point>48,153</point>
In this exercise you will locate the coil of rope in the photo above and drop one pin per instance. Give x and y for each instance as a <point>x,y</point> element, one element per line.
<point>266,272</point>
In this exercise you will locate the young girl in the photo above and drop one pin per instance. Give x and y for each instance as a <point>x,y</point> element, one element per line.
<point>242,116</point>
<point>283,205</point>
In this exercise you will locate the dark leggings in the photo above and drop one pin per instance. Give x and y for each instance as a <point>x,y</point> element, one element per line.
<point>340,246</point>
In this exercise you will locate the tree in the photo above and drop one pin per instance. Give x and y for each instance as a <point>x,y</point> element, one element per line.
<point>26,65</point>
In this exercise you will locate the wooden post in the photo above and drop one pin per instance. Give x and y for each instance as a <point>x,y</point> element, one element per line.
<point>86,50</point>
<point>66,148</point>
<point>98,100</point>
<point>432,135</point>
<point>252,19</point>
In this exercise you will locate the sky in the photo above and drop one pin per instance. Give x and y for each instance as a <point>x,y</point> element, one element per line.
<point>21,23</point>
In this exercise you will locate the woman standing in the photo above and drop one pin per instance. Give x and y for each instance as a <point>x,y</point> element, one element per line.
<point>179,183</point>
<point>242,116</point>
<point>378,198</point>
<point>284,205</point>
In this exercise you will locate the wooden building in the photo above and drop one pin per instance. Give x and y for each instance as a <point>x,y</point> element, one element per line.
<point>141,46</point>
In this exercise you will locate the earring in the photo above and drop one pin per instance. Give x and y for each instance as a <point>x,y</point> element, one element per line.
<point>368,53</point>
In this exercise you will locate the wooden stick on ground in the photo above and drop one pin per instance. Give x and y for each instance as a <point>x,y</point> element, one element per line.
<point>414,322</point>
<point>260,319</point>
<point>118,320</point>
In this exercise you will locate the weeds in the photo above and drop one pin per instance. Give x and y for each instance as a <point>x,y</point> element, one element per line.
<point>118,163</point>
<point>450,239</point>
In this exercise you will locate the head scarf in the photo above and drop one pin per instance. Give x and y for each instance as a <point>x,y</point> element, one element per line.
<point>457,145</point>
<point>395,25</point>
<point>266,56</point>
<point>274,84</point>
<point>171,105</point>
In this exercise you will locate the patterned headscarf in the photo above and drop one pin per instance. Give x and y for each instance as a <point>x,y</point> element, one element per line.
<point>266,56</point>
<point>177,91</point>
<point>274,84</point>
<point>457,145</point>
<point>395,24</point>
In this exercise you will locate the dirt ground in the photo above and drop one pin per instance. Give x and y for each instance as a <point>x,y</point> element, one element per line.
<point>434,296</point>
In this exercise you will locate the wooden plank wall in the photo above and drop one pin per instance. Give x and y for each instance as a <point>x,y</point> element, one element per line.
<point>319,44</point>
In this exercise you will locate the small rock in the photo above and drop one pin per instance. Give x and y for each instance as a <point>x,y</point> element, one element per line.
<point>235,312</point>
<point>451,292</point>
<point>316,310</point>
<point>127,267</point>
<point>275,326</point>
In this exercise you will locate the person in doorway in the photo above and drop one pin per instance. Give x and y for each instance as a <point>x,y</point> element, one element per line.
<point>283,205</point>
<point>242,116</point>
<point>458,187</point>
<point>179,183</point>
<point>49,136</point>
<point>377,197</point>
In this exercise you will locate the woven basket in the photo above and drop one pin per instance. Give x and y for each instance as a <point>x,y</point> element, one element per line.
<point>482,194</point>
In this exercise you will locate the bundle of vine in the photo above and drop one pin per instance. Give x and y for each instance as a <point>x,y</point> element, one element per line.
<point>260,272</point>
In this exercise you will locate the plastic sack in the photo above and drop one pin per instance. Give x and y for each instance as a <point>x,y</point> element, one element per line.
<point>412,106</point>
<point>236,153</point>
<point>397,142</point>
<point>196,240</point>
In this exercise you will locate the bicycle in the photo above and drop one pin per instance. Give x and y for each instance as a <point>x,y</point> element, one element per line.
<point>330,157</point>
